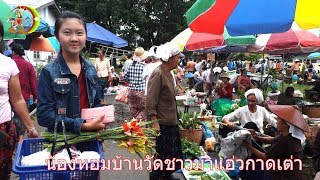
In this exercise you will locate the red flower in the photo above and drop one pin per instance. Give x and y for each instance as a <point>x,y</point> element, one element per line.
<point>125,127</point>
<point>133,123</point>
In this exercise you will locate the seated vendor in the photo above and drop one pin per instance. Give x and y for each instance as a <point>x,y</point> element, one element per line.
<point>244,82</point>
<point>225,89</point>
<point>251,114</point>
<point>287,145</point>
<point>287,98</point>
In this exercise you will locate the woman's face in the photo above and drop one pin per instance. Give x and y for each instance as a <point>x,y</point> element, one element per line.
<point>175,61</point>
<point>252,101</point>
<point>72,36</point>
<point>282,126</point>
<point>224,80</point>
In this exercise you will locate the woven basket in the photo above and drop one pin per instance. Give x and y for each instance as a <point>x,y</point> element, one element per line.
<point>313,111</point>
<point>193,135</point>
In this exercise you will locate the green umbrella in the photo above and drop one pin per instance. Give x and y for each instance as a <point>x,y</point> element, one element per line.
<point>4,17</point>
<point>238,40</point>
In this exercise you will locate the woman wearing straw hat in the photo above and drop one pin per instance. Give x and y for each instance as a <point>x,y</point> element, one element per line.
<point>137,85</point>
<point>225,89</point>
<point>287,145</point>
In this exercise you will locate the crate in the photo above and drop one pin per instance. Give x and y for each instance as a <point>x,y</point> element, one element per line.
<point>30,146</point>
<point>109,98</point>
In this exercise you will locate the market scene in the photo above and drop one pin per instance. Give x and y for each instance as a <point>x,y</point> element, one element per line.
<point>159,90</point>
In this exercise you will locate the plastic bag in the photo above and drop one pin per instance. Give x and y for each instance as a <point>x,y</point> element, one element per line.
<point>122,95</point>
<point>222,106</point>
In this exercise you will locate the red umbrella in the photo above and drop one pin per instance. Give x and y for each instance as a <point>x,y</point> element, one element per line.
<point>294,40</point>
<point>188,40</point>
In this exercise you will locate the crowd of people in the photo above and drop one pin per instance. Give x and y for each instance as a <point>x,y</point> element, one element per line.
<point>71,83</point>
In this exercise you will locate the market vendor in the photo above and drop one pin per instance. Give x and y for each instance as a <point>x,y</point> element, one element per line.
<point>287,145</point>
<point>252,115</point>
<point>225,88</point>
<point>244,82</point>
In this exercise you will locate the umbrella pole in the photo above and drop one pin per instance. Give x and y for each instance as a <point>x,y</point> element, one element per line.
<point>90,47</point>
<point>262,70</point>
<point>282,75</point>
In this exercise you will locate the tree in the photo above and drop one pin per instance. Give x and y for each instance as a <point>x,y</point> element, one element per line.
<point>141,22</point>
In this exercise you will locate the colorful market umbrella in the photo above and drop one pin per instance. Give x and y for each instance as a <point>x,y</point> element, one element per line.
<point>294,40</point>
<point>226,49</point>
<point>315,55</point>
<point>245,17</point>
<point>188,40</point>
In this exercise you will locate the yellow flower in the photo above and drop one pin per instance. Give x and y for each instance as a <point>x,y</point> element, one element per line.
<point>123,144</point>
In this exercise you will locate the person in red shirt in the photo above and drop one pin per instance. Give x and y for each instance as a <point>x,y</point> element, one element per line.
<point>225,89</point>
<point>28,82</point>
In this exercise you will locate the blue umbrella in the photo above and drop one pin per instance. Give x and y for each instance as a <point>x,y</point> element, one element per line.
<point>226,49</point>
<point>99,34</point>
<point>314,55</point>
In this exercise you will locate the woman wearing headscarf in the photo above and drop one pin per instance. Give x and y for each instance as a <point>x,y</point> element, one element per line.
<point>161,105</point>
<point>290,125</point>
<point>137,85</point>
<point>252,115</point>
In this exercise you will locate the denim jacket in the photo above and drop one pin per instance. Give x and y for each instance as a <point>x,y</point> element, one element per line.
<point>59,95</point>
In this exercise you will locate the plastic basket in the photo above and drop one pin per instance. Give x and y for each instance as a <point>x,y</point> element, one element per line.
<point>30,146</point>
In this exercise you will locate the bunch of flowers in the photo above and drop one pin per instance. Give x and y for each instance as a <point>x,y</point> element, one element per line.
<point>132,135</point>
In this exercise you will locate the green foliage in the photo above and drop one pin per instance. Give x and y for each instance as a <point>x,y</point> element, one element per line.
<point>188,120</point>
<point>253,57</point>
<point>135,18</point>
<point>190,149</point>
<point>273,72</point>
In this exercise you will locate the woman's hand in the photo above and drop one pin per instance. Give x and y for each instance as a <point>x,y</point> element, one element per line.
<point>253,133</point>
<point>94,125</point>
<point>32,133</point>
<point>246,144</point>
<point>230,125</point>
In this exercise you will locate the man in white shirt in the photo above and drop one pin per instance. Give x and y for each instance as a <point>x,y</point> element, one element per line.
<point>102,65</point>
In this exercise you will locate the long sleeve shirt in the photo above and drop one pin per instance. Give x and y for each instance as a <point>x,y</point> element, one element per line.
<point>161,97</point>
<point>27,78</point>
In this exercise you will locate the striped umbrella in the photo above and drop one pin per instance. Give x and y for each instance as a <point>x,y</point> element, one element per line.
<point>245,17</point>
<point>190,41</point>
<point>294,40</point>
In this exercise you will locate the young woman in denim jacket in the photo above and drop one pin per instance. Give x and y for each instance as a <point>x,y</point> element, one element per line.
<point>69,83</point>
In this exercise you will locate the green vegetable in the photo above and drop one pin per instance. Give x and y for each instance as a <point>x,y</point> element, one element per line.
<point>197,172</point>
<point>188,120</point>
<point>190,149</point>
<point>206,177</point>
